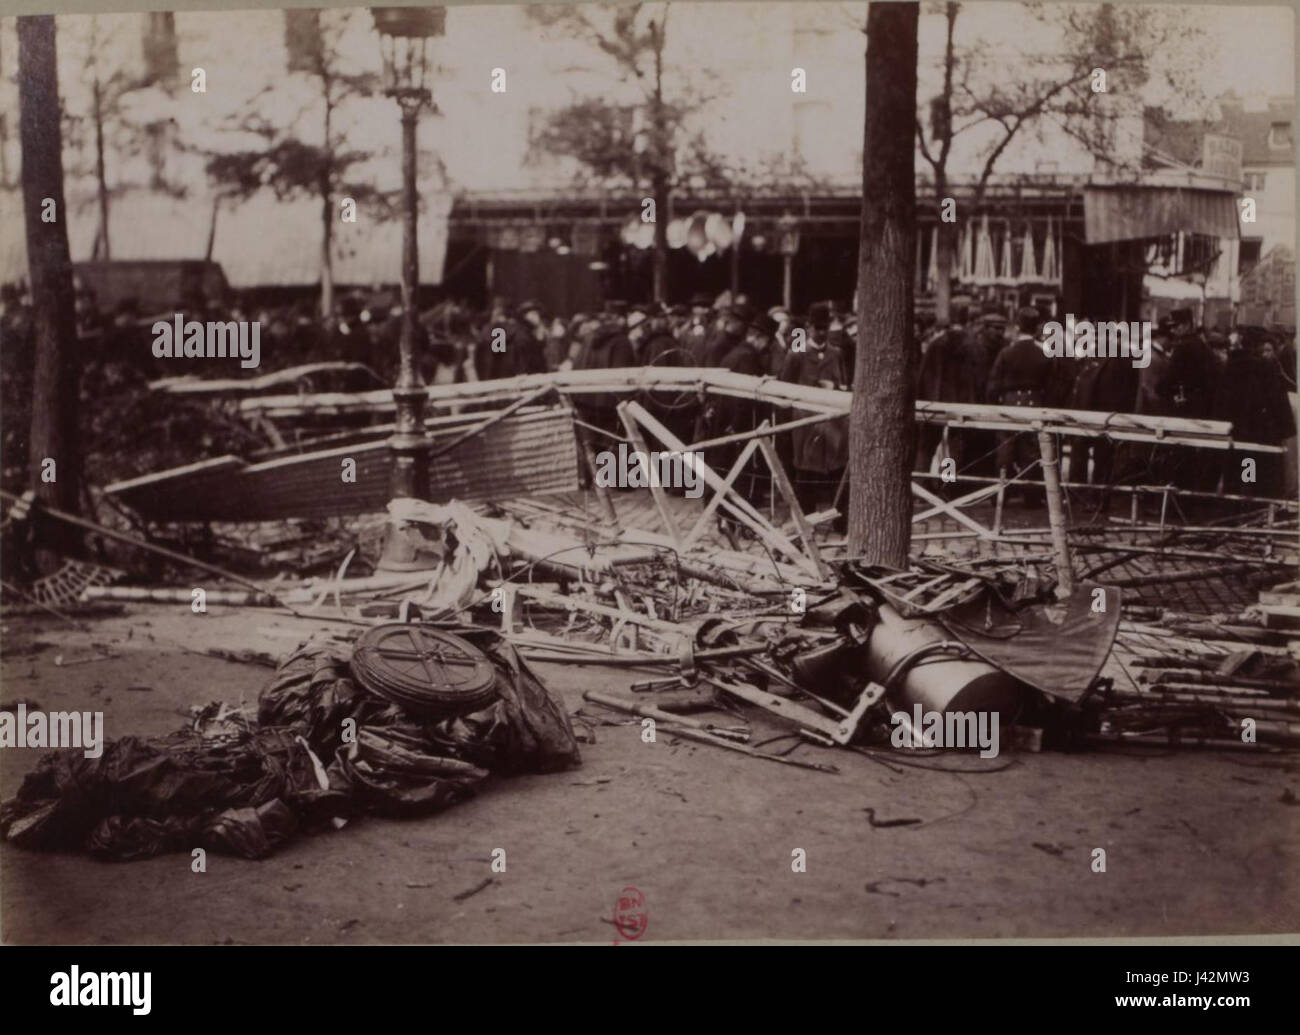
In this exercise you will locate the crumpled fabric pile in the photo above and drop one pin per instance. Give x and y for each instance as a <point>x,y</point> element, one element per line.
<point>322,750</point>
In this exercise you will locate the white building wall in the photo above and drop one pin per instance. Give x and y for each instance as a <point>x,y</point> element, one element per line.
<point>1274,206</point>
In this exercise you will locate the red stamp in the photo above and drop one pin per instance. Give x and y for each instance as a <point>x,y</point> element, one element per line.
<point>630,916</point>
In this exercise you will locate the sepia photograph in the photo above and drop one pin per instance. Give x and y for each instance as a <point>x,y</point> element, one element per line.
<point>614,474</point>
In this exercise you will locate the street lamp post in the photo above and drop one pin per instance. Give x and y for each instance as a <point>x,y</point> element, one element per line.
<point>404,34</point>
<point>788,241</point>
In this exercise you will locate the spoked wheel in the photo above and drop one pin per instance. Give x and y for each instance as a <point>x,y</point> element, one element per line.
<point>670,401</point>
<point>425,671</point>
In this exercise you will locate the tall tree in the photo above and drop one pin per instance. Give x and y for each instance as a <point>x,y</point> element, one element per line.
<point>56,377</point>
<point>641,144</point>
<point>882,419</point>
<point>96,125</point>
<point>982,95</point>
<point>942,130</point>
<point>294,167</point>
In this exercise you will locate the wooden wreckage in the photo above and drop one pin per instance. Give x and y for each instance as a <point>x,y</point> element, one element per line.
<point>1066,630</point>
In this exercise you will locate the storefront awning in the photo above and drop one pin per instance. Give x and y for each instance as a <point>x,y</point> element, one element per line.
<point>1133,213</point>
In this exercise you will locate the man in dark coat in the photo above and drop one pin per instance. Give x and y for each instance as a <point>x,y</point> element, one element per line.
<point>749,356</point>
<point>764,333</point>
<point>840,337</point>
<point>530,339</point>
<point>1192,379</point>
<point>765,356</point>
<point>657,346</point>
<point>1144,463</point>
<point>694,336</point>
<point>637,319</point>
<point>945,376</point>
<point>723,415</point>
<point>819,451</point>
<point>1286,360</point>
<point>1191,367</point>
<point>731,333</point>
<point>490,349</point>
<point>609,348</point>
<point>1252,396</point>
<point>1108,385</point>
<point>1019,378</point>
<point>511,346</point>
<point>983,340</point>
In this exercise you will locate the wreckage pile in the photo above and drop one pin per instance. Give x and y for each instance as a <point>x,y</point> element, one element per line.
<point>725,628</point>
<point>1137,630</point>
<point>328,743</point>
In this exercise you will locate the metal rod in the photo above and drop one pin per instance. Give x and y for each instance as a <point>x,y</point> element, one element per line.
<point>144,544</point>
<point>1056,513</point>
<point>707,738</point>
<point>482,426</point>
<point>649,711</point>
<point>762,431</point>
<point>1177,686</point>
<point>1209,677</point>
<point>745,749</point>
<point>1170,577</point>
<point>46,607</point>
<point>1244,704</point>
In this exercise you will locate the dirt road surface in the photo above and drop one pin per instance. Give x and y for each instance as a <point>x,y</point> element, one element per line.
<point>1196,843</point>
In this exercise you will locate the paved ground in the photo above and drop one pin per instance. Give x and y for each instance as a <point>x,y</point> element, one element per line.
<point>1196,843</point>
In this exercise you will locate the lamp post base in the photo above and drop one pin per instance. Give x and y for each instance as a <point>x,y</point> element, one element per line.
<point>410,445</point>
<point>407,548</point>
<point>410,478</point>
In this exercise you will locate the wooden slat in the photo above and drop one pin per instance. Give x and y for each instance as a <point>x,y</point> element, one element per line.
<point>922,587</point>
<point>524,454</point>
<point>1088,423</point>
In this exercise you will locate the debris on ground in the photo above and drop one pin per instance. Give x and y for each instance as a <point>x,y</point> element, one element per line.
<point>322,749</point>
<point>743,622</point>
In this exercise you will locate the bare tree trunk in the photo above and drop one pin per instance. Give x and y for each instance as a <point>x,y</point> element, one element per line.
<point>100,178</point>
<point>735,254</point>
<point>945,247</point>
<point>661,152</point>
<point>57,369</point>
<point>327,212</point>
<point>882,428</point>
<point>661,240</point>
<point>942,128</point>
<point>326,253</point>
<point>212,228</point>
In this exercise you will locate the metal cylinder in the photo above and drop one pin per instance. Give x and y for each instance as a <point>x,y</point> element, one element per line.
<point>938,682</point>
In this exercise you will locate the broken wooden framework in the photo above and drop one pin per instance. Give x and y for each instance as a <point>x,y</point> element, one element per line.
<point>636,621</point>
<point>780,394</point>
<point>526,449</point>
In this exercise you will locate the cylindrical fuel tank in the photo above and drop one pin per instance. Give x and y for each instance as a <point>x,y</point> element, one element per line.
<point>938,682</point>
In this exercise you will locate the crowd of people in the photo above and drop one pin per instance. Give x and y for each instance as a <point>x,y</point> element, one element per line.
<point>1242,376</point>
<point>816,350</point>
<point>978,356</point>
